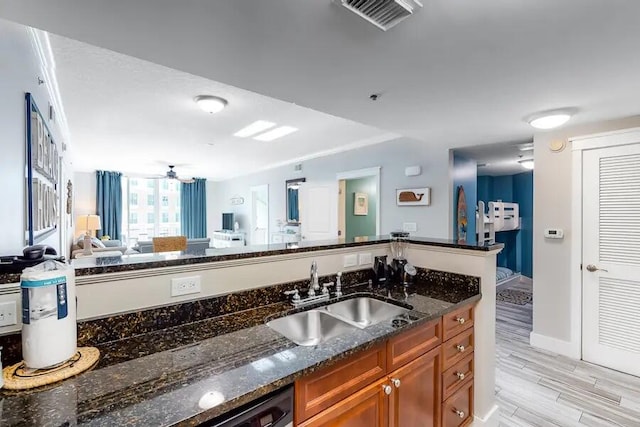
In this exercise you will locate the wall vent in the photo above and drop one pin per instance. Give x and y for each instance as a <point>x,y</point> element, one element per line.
<point>384,14</point>
<point>297,167</point>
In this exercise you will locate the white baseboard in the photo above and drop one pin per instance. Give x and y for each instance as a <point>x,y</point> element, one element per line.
<point>565,348</point>
<point>490,419</point>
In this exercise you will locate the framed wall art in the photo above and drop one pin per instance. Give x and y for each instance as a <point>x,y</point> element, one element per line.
<point>42,173</point>
<point>413,197</point>
<point>361,204</point>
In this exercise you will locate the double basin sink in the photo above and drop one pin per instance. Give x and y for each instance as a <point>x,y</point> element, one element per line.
<point>312,327</point>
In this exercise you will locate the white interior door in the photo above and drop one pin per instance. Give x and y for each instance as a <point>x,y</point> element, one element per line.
<point>259,215</point>
<point>611,257</point>
<point>318,210</point>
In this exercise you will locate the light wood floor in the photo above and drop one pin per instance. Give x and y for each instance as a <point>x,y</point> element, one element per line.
<point>539,388</point>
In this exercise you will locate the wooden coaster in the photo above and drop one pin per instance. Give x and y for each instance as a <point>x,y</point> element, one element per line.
<point>19,377</point>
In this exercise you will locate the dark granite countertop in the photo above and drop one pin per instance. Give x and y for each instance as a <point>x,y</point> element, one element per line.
<point>91,266</point>
<point>144,380</point>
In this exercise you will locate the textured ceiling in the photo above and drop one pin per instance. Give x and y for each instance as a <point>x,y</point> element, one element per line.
<point>137,117</point>
<point>458,73</point>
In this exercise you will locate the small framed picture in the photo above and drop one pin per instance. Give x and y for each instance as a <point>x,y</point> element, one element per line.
<point>361,204</point>
<point>413,197</point>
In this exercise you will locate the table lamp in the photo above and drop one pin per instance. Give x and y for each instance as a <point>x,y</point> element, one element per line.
<point>89,223</point>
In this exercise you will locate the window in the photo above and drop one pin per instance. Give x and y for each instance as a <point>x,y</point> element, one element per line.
<point>159,216</point>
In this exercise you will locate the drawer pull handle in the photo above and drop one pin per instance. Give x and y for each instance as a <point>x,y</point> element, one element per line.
<point>459,413</point>
<point>460,376</point>
<point>387,389</point>
<point>460,320</point>
<point>460,348</point>
<point>396,382</point>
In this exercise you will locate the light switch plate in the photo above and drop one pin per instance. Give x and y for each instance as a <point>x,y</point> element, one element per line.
<point>365,259</point>
<point>8,313</point>
<point>350,260</point>
<point>409,226</point>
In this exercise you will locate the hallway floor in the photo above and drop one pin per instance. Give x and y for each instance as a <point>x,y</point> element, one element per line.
<point>539,388</point>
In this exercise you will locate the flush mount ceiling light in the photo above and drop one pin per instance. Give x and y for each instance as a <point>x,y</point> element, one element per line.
<point>254,128</point>
<point>276,133</point>
<point>211,104</point>
<point>550,119</point>
<point>527,164</point>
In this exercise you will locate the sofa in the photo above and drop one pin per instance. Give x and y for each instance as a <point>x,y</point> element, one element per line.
<point>109,246</point>
<point>194,246</point>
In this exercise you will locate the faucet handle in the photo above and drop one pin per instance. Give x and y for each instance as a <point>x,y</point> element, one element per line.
<point>296,295</point>
<point>325,288</point>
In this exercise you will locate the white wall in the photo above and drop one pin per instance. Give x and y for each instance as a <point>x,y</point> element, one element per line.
<point>20,68</point>
<point>392,156</point>
<point>85,196</point>
<point>554,323</point>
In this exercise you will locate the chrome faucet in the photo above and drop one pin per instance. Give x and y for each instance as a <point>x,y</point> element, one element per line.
<point>313,279</point>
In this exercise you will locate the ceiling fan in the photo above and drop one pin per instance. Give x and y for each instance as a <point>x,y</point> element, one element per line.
<point>171,174</point>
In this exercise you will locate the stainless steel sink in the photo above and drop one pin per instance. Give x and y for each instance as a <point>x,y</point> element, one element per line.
<point>310,327</point>
<point>365,311</point>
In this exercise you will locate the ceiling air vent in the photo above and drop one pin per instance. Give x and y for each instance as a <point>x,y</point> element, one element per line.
<point>384,14</point>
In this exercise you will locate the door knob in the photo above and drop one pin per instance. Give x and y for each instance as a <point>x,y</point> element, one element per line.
<point>459,413</point>
<point>460,348</point>
<point>460,375</point>
<point>460,320</point>
<point>396,382</point>
<point>592,269</point>
<point>387,389</point>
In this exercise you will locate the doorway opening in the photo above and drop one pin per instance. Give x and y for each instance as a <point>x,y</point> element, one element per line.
<point>259,215</point>
<point>359,204</point>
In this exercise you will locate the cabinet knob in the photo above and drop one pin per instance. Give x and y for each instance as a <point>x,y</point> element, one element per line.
<point>460,348</point>
<point>460,375</point>
<point>459,413</point>
<point>387,389</point>
<point>395,382</point>
<point>460,320</point>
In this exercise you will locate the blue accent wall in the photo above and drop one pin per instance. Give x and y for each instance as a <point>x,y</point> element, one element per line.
<point>518,251</point>
<point>465,173</point>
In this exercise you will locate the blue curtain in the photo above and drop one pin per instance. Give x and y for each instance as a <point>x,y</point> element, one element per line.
<point>193,209</point>
<point>109,203</point>
<point>292,201</point>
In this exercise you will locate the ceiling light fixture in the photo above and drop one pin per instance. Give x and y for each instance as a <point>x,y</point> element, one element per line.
<point>211,104</point>
<point>276,133</point>
<point>527,164</point>
<point>550,119</point>
<point>254,128</point>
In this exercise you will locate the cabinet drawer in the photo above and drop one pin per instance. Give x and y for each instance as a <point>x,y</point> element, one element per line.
<point>457,321</point>
<point>412,344</point>
<point>457,376</point>
<point>319,390</point>
<point>457,348</point>
<point>458,409</point>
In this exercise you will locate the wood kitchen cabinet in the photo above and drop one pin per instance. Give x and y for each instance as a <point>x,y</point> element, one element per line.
<point>415,399</point>
<point>367,408</point>
<point>415,379</point>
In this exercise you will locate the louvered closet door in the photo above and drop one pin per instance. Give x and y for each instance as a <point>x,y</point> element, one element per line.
<point>611,257</point>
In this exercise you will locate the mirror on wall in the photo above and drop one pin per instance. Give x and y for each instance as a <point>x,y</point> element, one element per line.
<point>293,204</point>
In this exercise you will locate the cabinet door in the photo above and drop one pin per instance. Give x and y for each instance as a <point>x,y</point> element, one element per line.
<point>367,408</point>
<point>415,400</point>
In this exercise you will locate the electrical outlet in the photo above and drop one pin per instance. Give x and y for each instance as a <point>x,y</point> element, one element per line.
<point>185,286</point>
<point>350,260</point>
<point>365,258</point>
<point>409,226</point>
<point>8,313</point>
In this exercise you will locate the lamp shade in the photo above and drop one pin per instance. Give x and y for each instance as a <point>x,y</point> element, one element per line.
<point>89,222</point>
